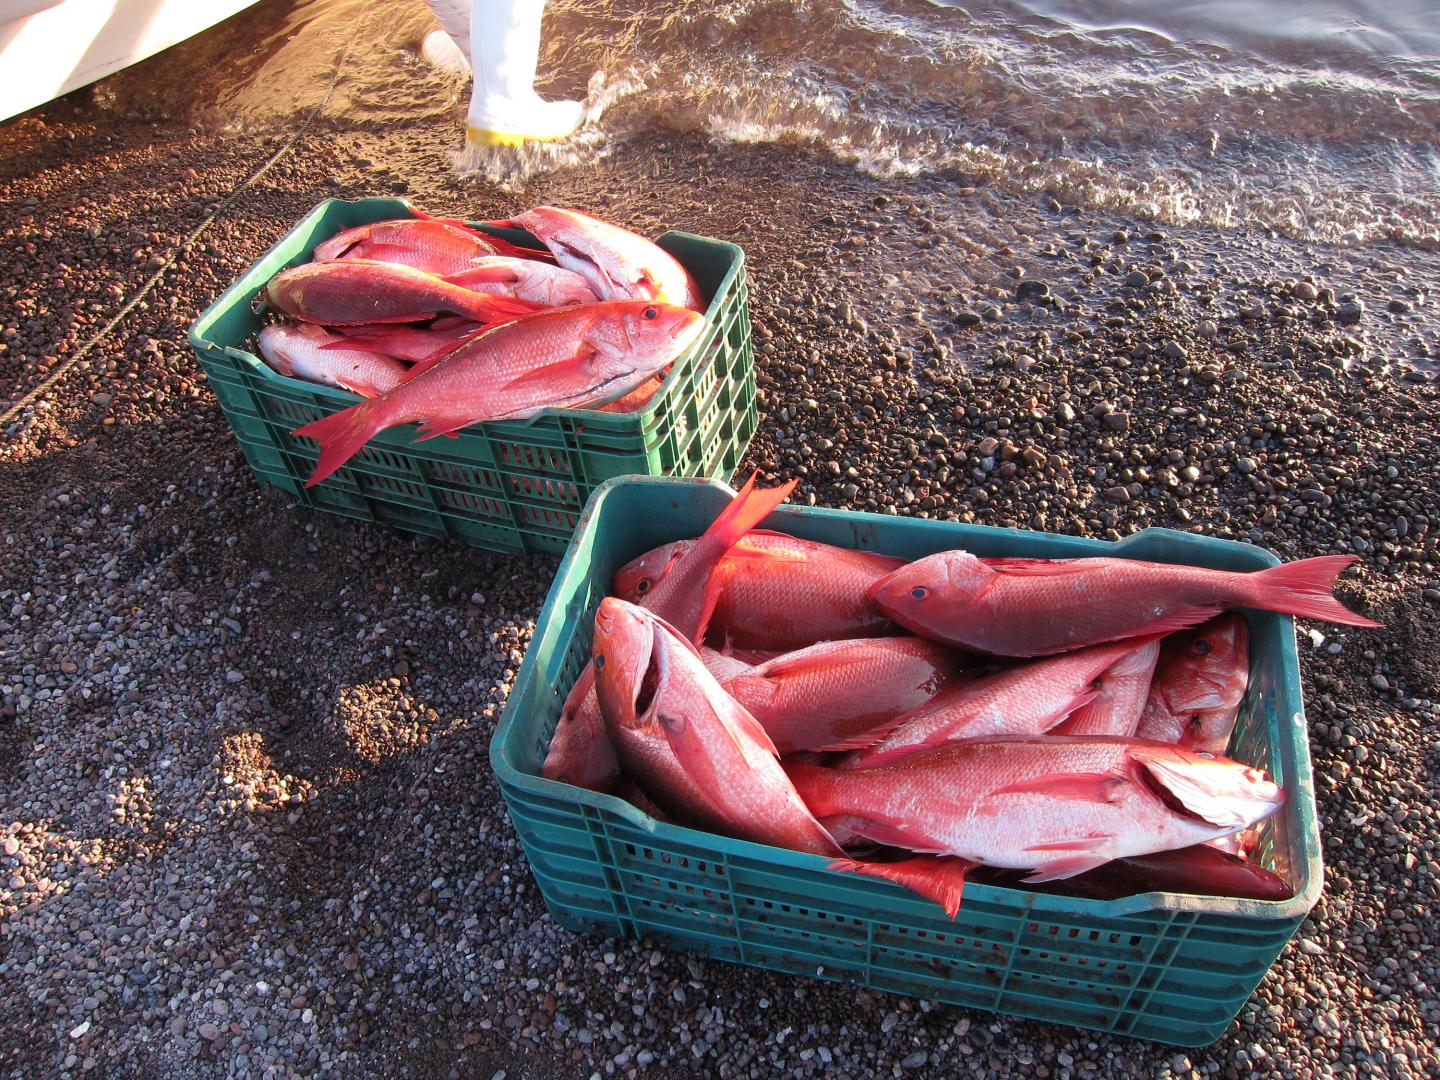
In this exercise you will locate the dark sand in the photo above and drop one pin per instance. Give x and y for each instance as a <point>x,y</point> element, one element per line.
<point>246,813</point>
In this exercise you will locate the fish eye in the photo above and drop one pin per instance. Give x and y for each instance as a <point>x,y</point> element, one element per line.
<point>651,313</point>
<point>1200,646</point>
<point>643,585</point>
<point>600,663</point>
<point>919,592</point>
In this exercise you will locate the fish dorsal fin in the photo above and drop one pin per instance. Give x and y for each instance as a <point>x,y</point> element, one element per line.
<point>1038,567</point>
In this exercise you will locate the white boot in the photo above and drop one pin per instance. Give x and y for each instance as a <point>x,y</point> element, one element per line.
<point>504,48</point>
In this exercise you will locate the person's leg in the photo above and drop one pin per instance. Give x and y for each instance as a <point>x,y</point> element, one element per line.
<point>449,48</point>
<point>504,49</point>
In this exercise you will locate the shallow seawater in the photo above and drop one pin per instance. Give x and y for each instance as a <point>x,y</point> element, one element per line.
<point>1316,118</point>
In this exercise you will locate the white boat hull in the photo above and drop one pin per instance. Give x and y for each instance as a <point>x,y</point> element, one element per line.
<point>50,47</point>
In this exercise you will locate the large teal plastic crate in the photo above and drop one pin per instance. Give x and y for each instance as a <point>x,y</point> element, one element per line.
<point>509,486</point>
<point>1168,967</point>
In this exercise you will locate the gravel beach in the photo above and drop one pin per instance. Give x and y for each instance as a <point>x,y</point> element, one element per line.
<point>247,823</point>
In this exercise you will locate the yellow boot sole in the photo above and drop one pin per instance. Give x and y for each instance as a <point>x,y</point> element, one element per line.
<point>484,137</point>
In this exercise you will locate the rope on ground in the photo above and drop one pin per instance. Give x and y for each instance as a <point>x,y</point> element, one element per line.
<point>66,365</point>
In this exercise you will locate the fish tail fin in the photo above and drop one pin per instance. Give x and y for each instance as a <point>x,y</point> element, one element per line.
<point>744,512</point>
<point>1304,588</point>
<point>341,435</point>
<point>495,308</point>
<point>936,877</point>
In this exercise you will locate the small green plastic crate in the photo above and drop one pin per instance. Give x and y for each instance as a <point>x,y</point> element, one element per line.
<point>1168,967</point>
<point>510,486</point>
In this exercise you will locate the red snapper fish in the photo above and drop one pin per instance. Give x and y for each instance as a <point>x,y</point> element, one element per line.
<point>1199,685</point>
<point>305,351</point>
<point>1054,805</point>
<point>840,695</point>
<point>1119,698</point>
<point>689,589</point>
<point>437,247</point>
<point>688,744</point>
<point>1028,699</point>
<point>779,592</point>
<point>541,283</point>
<point>569,357</point>
<point>580,751</point>
<point>617,263</point>
<point>1033,607</point>
<point>705,760</point>
<point>355,291</point>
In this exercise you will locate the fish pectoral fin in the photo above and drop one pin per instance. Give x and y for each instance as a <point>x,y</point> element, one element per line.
<point>1180,619</point>
<point>740,724</point>
<point>936,877</point>
<point>1081,701</point>
<point>811,659</point>
<point>483,275</point>
<point>862,740</point>
<point>1074,856</point>
<point>547,372</point>
<point>689,750</point>
<point>1081,787</point>
<point>1067,867</point>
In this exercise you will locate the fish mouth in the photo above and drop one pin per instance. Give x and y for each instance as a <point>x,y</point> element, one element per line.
<point>686,331</point>
<point>648,686</point>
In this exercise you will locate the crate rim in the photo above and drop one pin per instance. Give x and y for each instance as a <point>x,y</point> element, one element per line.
<point>1297,907</point>
<point>257,274</point>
